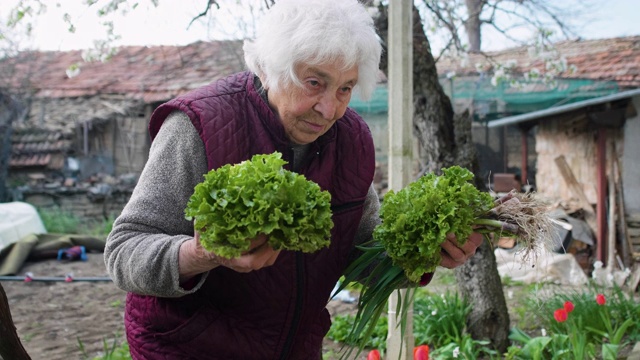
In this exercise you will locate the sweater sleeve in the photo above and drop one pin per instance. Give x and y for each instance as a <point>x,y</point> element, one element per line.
<point>370,217</point>
<point>141,254</point>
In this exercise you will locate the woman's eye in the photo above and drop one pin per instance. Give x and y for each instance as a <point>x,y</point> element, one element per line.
<point>346,89</point>
<point>313,83</point>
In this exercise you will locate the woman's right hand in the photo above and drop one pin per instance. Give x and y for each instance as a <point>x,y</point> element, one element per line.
<point>194,259</point>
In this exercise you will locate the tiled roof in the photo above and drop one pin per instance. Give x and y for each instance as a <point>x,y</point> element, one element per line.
<point>158,73</point>
<point>139,74</point>
<point>134,76</point>
<point>44,135</point>
<point>150,74</point>
<point>616,59</point>
<point>39,149</point>
<point>65,114</point>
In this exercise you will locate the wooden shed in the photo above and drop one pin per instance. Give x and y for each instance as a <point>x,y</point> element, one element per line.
<point>85,118</point>
<point>587,155</point>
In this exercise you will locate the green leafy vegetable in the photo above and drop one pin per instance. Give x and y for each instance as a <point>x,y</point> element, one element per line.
<point>235,203</point>
<point>417,219</point>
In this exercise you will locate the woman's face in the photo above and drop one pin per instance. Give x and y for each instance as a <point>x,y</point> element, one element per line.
<point>309,111</point>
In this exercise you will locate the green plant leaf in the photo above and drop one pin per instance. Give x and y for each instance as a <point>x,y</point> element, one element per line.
<point>619,333</point>
<point>236,203</point>
<point>610,351</point>
<point>417,219</point>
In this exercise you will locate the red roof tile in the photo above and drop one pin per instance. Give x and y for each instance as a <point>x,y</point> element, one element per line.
<point>616,59</point>
<point>143,73</point>
<point>134,75</point>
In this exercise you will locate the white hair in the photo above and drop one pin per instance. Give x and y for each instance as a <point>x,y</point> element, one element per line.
<point>314,32</point>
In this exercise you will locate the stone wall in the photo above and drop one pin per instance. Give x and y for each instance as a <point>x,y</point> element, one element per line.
<point>86,204</point>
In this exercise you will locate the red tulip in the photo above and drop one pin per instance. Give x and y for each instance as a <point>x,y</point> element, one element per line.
<point>373,355</point>
<point>421,352</point>
<point>600,299</point>
<point>560,315</point>
<point>568,305</point>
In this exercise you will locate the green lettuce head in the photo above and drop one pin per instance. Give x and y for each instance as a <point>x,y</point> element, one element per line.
<point>417,219</point>
<point>237,202</point>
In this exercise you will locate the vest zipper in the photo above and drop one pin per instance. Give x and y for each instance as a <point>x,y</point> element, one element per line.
<point>295,322</point>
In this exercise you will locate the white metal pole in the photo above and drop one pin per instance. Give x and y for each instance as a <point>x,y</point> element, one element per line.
<point>400,74</point>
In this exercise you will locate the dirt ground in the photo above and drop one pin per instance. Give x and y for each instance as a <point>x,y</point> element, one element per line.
<point>54,318</point>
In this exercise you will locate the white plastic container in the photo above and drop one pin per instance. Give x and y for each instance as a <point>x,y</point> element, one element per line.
<point>17,220</point>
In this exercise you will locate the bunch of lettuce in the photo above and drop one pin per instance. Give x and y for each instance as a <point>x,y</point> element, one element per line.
<point>235,203</point>
<point>406,244</point>
<point>417,219</point>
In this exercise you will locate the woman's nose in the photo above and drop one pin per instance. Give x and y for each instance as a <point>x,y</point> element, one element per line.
<point>327,106</point>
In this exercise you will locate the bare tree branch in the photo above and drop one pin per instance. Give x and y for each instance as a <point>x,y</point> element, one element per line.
<point>438,12</point>
<point>456,17</point>
<point>553,14</point>
<point>205,12</point>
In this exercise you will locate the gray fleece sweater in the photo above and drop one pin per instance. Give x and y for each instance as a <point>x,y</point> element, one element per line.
<point>141,254</point>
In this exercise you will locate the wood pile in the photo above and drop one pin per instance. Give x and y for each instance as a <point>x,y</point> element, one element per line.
<point>633,231</point>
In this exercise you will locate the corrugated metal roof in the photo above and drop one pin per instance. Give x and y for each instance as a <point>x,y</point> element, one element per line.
<point>511,120</point>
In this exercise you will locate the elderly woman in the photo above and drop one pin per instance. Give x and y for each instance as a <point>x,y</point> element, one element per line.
<point>186,303</point>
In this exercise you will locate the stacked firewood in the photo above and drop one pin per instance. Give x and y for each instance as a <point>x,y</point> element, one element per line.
<point>633,231</point>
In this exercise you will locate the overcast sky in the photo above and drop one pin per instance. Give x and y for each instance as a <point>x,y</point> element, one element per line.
<point>167,24</point>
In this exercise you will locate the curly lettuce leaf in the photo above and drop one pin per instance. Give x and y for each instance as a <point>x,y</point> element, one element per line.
<point>237,202</point>
<point>417,218</point>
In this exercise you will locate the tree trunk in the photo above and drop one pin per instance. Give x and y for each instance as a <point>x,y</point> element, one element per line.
<point>479,282</point>
<point>472,25</point>
<point>8,111</point>
<point>445,140</point>
<point>10,345</point>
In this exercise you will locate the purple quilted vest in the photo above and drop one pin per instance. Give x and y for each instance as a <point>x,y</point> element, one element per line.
<point>277,312</point>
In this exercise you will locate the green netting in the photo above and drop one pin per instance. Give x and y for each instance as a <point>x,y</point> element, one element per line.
<point>503,99</point>
<point>378,104</point>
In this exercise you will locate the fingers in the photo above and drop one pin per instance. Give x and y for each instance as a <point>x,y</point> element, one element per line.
<point>448,262</point>
<point>260,256</point>
<point>256,244</point>
<point>194,259</point>
<point>454,255</point>
<point>458,253</point>
<point>475,239</point>
<point>273,258</point>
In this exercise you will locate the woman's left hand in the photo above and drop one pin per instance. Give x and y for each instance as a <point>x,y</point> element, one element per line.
<point>454,255</point>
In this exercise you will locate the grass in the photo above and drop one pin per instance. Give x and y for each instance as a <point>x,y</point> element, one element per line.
<point>439,319</point>
<point>63,222</point>
<point>116,349</point>
<point>439,312</point>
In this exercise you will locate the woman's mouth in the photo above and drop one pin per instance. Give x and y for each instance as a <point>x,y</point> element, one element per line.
<point>314,127</point>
